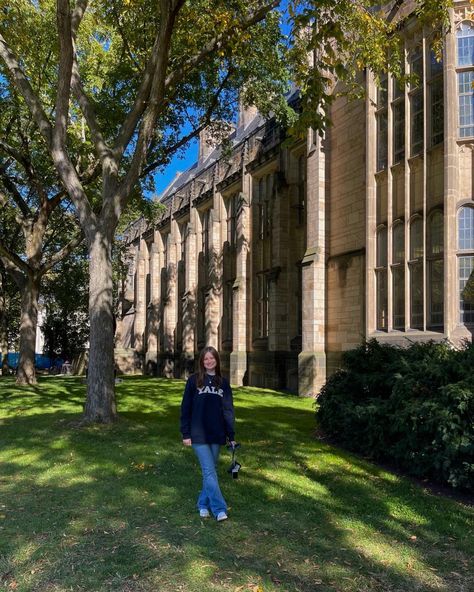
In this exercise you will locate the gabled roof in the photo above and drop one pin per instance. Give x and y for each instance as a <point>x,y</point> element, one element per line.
<point>182,178</point>
<point>236,137</point>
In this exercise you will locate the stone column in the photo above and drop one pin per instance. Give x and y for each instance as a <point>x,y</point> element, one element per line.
<point>154,320</point>
<point>241,292</point>
<point>140,300</point>
<point>170,304</point>
<point>312,359</point>
<point>451,184</point>
<point>371,206</point>
<point>190,295</point>
<point>214,300</point>
<point>123,333</point>
<point>390,175</point>
<point>278,338</point>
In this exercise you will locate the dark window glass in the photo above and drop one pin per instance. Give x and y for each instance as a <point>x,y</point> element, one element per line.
<point>417,121</point>
<point>398,244</point>
<point>398,132</point>
<point>416,295</point>
<point>437,111</point>
<point>381,282</point>
<point>398,300</point>
<point>436,292</point>
<point>382,140</point>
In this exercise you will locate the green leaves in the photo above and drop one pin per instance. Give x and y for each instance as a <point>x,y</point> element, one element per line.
<point>413,407</point>
<point>343,39</point>
<point>326,43</point>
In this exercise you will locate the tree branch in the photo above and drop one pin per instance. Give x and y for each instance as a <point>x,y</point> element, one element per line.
<point>148,123</point>
<point>63,253</point>
<point>16,274</point>
<point>77,15</point>
<point>85,104</point>
<point>218,41</point>
<point>141,101</point>
<point>123,36</point>
<point>205,121</point>
<point>64,166</point>
<point>152,166</point>
<point>53,202</point>
<point>64,74</point>
<point>24,160</point>
<point>91,173</point>
<point>26,91</point>
<point>12,261</point>
<point>16,195</point>
<point>88,111</point>
<point>141,106</point>
<point>15,154</point>
<point>130,123</point>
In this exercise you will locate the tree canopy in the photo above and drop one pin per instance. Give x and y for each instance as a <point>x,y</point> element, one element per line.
<point>38,227</point>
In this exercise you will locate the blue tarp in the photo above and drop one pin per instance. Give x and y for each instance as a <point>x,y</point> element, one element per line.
<point>12,359</point>
<point>41,362</point>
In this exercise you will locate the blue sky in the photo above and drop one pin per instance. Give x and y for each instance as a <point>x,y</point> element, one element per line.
<point>180,163</point>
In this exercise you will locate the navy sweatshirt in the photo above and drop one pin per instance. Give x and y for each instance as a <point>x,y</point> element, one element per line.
<point>207,413</point>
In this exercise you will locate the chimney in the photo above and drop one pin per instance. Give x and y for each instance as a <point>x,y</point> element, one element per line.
<point>212,136</point>
<point>246,114</point>
<point>207,143</point>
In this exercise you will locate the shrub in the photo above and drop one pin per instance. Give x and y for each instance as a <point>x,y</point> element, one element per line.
<point>413,407</point>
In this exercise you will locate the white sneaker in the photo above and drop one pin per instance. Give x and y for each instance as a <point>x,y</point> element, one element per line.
<point>221,516</point>
<point>204,513</point>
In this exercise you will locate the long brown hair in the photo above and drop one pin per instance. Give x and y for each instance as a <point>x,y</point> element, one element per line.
<point>201,373</point>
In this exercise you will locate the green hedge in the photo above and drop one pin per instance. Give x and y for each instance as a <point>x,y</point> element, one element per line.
<point>412,407</point>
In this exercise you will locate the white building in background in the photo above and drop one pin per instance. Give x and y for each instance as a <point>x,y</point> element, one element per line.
<point>39,346</point>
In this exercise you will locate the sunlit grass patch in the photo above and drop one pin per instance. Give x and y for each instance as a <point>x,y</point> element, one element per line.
<point>112,508</point>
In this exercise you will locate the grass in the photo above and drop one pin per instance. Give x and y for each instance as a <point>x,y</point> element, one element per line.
<point>113,508</point>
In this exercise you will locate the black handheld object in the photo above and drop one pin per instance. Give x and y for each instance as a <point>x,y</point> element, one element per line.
<point>234,465</point>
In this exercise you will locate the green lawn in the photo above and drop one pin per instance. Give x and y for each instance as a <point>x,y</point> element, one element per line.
<point>113,508</point>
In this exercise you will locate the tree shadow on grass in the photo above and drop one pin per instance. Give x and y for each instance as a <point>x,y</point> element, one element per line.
<point>50,392</point>
<point>114,509</point>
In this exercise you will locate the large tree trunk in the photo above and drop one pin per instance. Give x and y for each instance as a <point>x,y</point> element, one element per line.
<point>100,403</point>
<point>28,325</point>
<point>3,327</point>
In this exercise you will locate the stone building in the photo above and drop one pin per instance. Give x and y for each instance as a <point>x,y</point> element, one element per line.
<point>284,256</point>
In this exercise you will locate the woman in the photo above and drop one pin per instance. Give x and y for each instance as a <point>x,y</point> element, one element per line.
<point>207,422</point>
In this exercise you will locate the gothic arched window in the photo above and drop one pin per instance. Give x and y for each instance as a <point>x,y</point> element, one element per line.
<point>415,267</point>
<point>381,279</point>
<point>465,65</point>
<point>435,265</point>
<point>398,275</point>
<point>436,97</point>
<point>416,101</point>
<point>466,263</point>
<point>382,123</point>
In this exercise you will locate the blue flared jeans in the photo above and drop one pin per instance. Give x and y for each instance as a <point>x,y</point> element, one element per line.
<point>210,497</point>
